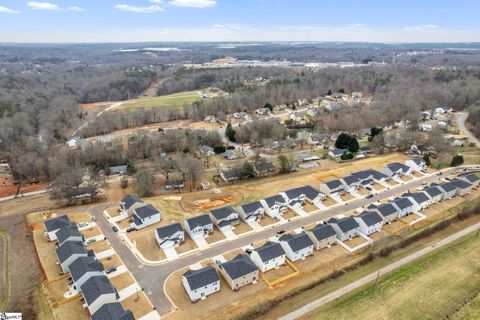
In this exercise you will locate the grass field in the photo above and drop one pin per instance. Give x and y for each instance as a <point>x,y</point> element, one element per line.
<point>180,99</point>
<point>432,287</point>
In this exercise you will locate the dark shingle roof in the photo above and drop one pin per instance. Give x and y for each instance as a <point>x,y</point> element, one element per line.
<point>239,266</point>
<point>96,286</point>
<point>346,224</point>
<point>397,166</point>
<point>112,311</point>
<point>418,161</point>
<point>222,213</point>
<point>333,184</point>
<point>297,241</point>
<point>130,199</point>
<point>433,191</point>
<point>83,265</point>
<point>295,192</point>
<point>232,173</point>
<point>274,199</point>
<point>462,184</point>
<point>323,231</point>
<point>472,177</point>
<point>311,193</point>
<point>419,197</point>
<point>57,223</point>
<point>349,180</point>
<point>167,231</point>
<point>338,152</point>
<point>199,221</point>
<point>251,207</point>
<point>264,166</point>
<point>269,251</point>
<point>447,186</point>
<point>146,211</point>
<point>370,218</point>
<point>68,231</point>
<point>386,209</point>
<point>70,248</point>
<point>403,203</point>
<point>201,277</point>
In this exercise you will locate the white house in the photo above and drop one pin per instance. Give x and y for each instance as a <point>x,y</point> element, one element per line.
<point>199,226</point>
<point>54,224</point>
<point>269,256</point>
<point>312,195</point>
<point>420,200</point>
<point>274,206</point>
<point>387,211</point>
<point>471,178</point>
<point>69,252</point>
<point>369,222</point>
<point>322,235</point>
<point>82,269</point>
<point>296,246</point>
<point>404,206</point>
<point>112,311</point>
<point>337,153</point>
<point>252,211</point>
<point>434,193</point>
<point>201,283</point>
<point>206,150</point>
<point>170,236</point>
<point>350,183</point>
<point>145,216</point>
<point>346,228</point>
<point>417,164</point>
<point>463,187</point>
<point>69,233</point>
<point>332,187</point>
<point>98,291</point>
<point>130,201</point>
<point>224,218</point>
<point>294,197</point>
<point>396,169</point>
<point>230,174</point>
<point>448,190</point>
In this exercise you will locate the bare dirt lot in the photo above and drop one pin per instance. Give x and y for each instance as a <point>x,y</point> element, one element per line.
<point>137,303</point>
<point>91,232</point>
<point>122,281</point>
<point>215,236</point>
<point>241,228</point>
<point>112,261</point>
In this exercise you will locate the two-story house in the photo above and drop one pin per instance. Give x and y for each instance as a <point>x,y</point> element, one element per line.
<point>296,246</point>
<point>239,271</point>
<point>224,218</point>
<point>145,216</point>
<point>201,283</point>
<point>199,226</point>
<point>170,236</point>
<point>269,256</point>
<point>252,211</point>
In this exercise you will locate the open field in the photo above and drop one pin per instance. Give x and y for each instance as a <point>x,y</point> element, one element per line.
<point>180,99</point>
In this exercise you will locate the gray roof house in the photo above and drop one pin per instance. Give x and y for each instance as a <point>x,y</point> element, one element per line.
<point>69,252</point>
<point>471,178</point>
<point>230,174</point>
<point>322,235</point>
<point>170,236</point>
<point>98,291</point>
<point>434,193</point>
<point>312,195</point>
<point>270,255</point>
<point>337,153</point>
<point>294,197</point>
<point>224,218</point>
<point>417,164</point>
<point>69,233</point>
<point>54,224</point>
<point>420,199</point>
<point>201,283</point>
<point>112,311</point>
<point>463,187</point>
<point>263,167</point>
<point>145,216</point>
<point>369,221</point>
<point>274,205</point>
<point>199,226</point>
<point>118,169</point>
<point>130,201</point>
<point>332,187</point>
<point>239,271</point>
<point>397,169</point>
<point>346,228</point>
<point>207,150</point>
<point>252,211</point>
<point>174,184</point>
<point>350,183</point>
<point>448,190</point>
<point>83,268</point>
<point>296,246</point>
<point>404,206</point>
<point>387,211</point>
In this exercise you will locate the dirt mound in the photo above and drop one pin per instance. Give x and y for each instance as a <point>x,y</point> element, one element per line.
<point>207,204</point>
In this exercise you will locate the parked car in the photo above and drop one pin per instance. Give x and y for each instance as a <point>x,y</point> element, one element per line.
<point>115,229</point>
<point>439,173</point>
<point>111,269</point>
<point>82,224</point>
<point>130,229</point>
<point>281,231</point>
<point>368,196</point>
<point>90,240</point>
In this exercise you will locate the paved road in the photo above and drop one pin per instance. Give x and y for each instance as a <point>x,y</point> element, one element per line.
<point>370,277</point>
<point>152,277</point>
<point>461,118</point>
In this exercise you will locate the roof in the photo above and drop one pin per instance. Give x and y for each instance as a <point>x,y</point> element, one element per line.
<point>264,166</point>
<point>349,180</point>
<point>227,222</point>
<point>206,149</point>
<point>130,199</point>
<point>269,251</point>
<point>239,266</point>
<point>311,192</point>
<point>370,218</point>
<point>386,209</point>
<point>118,169</point>
<point>433,191</point>
<point>222,213</point>
<point>462,184</point>
<point>70,248</point>
<point>112,311</point>
<point>274,199</point>
<point>419,197</point>
<point>397,166</point>
<point>146,211</point>
<point>174,182</point>
<point>201,277</point>
<point>168,231</point>
<point>199,221</point>
<point>57,223</point>
<point>334,184</point>
<point>251,206</point>
<point>68,231</point>
<point>346,224</point>
<point>95,287</point>
<point>338,152</point>
<point>231,173</point>
<point>447,186</point>
<point>403,203</point>
<point>297,242</point>
<point>472,177</point>
<point>295,192</point>
<point>323,231</point>
<point>82,265</point>
<point>418,161</point>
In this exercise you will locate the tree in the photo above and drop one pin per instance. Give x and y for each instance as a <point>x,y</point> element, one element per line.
<point>426,158</point>
<point>166,166</point>
<point>124,183</point>
<point>219,148</point>
<point>346,156</point>
<point>341,90</point>
<point>191,168</point>
<point>375,131</point>
<point>329,93</point>
<point>287,164</point>
<point>346,141</point>
<point>247,170</point>
<point>268,106</point>
<point>230,133</point>
<point>144,181</point>
<point>456,160</point>
<point>66,181</point>
<point>379,142</point>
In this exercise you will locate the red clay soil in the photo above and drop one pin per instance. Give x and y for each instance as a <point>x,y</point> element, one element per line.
<point>11,190</point>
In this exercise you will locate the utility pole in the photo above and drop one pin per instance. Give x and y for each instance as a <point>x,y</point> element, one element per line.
<point>376,281</point>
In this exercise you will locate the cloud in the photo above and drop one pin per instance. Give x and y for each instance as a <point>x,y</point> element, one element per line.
<point>423,27</point>
<point>43,6</point>
<point>156,1</point>
<point>7,10</point>
<point>137,9</point>
<point>193,3</point>
<point>75,8</point>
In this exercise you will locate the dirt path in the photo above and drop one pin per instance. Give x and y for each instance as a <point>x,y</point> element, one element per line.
<point>372,276</point>
<point>153,89</point>
<point>461,118</point>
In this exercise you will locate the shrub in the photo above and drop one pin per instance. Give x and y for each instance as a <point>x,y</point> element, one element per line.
<point>219,148</point>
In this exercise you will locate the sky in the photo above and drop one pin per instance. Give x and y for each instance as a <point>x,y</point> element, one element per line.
<point>239,20</point>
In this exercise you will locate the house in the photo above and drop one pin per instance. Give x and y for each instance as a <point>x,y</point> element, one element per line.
<point>145,216</point>
<point>357,95</point>
<point>369,222</point>
<point>463,187</point>
<point>420,200</point>
<point>471,178</point>
<point>252,211</point>
<point>425,115</point>
<point>69,233</point>
<point>54,224</point>
<point>322,235</point>
<point>118,170</point>
<point>346,228</point>
<point>434,193</point>
<point>230,174</point>
<point>332,187</point>
<point>350,183</point>
<point>387,211</point>
<point>263,167</point>
<point>442,124</point>
<point>112,311</point>
<point>239,271</point>
<point>397,169</point>
<point>404,206</point>
<point>425,127</point>
<point>302,102</point>
<point>417,164</point>
<point>448,190</point>
<point>305,157</point>
<point>274,205</point>
<point>333,106</point>
<point>365,150</point>
<point>368,177</point>
<point>317,138</point>
<point>313,112</point>
<point>199,226</point>
<point>69,252</point>
<point>337,153</point>
<point>174,184</point>
<point>224,218</point>
<point>83,268</point>
<point>297,116</point>
<point>201,283</point>
<point>130,202</point>
<point>262,111</point>
<point>240,115</point>
<point>269,256</point>
<point>312,195</point>
<point>294,197</point>
<point>419,149</point>
<point>170,236</point>
<point>231,155</point>
<point>206,150</point>
<point>98,291</point>
<point>296,246</point>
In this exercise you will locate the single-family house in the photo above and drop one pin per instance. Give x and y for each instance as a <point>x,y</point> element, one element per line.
<point>463,187</point>
<point>199,226</point>
<point>263,167</point>
<point>297,116</point>
<point>130,202</point>
<point>322,235</point>
<point>69,233</point>
<point>448,190</point>
<point>177,184</point>
<point>471,178</point>
<point>294,197</point>
<point>332,187</point>
<point>69,252</point>
<point>369,222</point>
<point>231,155</point>
<point>337,153</point>
<point>83,268</point>
<point>252,211</point>
<point>54,224</point>
<point>417,164</point>
<point>230,174</point>
<point>397,169</point>
<point>365,150</point>
<point>269,256</point>
<point>434,193</point>
<point>98,291</point>
<point>420,200</point>
<point>239,271</point>
<point>262,111</point>
<point>224,218</point>
<point>145,216</point>
<point>274,205</point>
<point>404,206</point>
<point>206,150</point>
<point>387,211</point>
<point>112,311</point>
<point>350,183</point>
<point>312,195</point>
<point>118,170</point>
<point>346,228</point>
<point>296,246</point>
<point>170,236</point>
<point>201,283</point>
